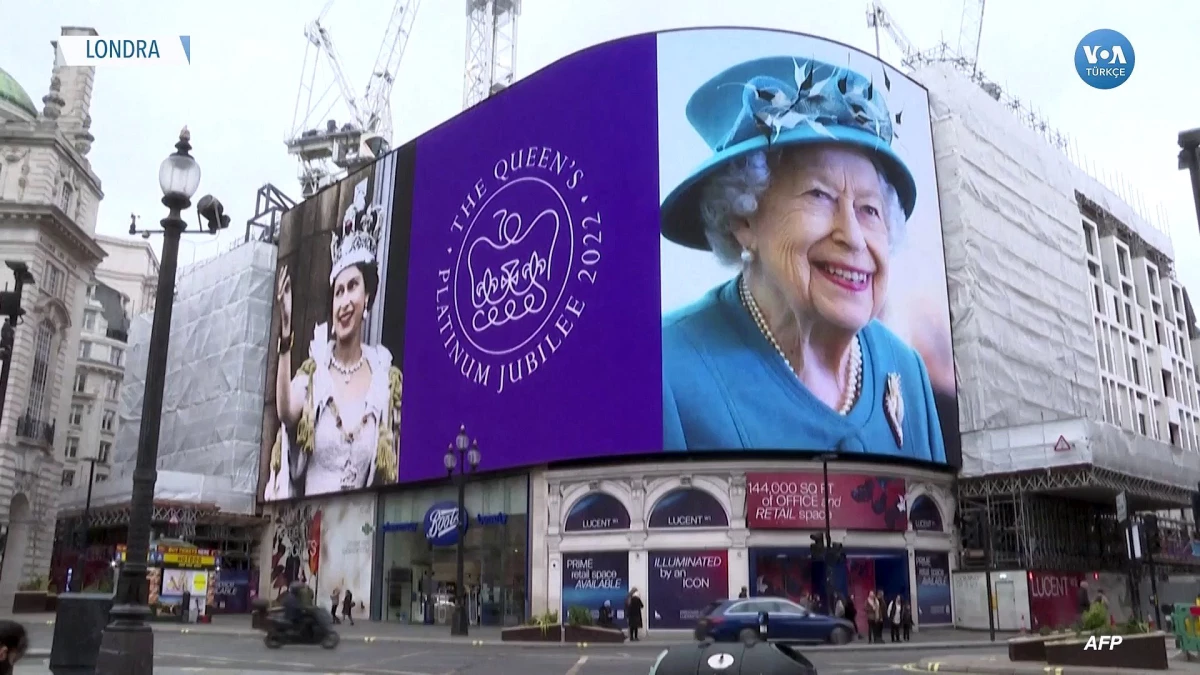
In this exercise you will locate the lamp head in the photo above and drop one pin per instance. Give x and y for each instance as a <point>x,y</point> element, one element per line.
<point>473,456</point>
<point>179,174</point>
<point>213,211</point>
<point>462,441</point>
<point>450,460</point>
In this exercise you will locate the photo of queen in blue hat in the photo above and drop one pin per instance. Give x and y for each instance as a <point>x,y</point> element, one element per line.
<point>805,195</point>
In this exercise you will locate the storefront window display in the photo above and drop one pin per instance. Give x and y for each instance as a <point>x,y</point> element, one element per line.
<point>793,574</point>
<point>419,564</point>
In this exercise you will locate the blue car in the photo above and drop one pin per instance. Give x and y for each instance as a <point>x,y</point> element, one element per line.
<point>734,620</point>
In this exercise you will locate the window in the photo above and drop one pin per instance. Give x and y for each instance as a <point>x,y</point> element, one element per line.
<point>104,452</point>
<point>101,478</point>
<point>109,420</point>
<point>76,414</point>
<point>1099,299</point>
<point>68,477</point>
<point>111,387</point>
<point>1137,373</point>
<point>1123,261</point>
<point>80,383</point>
<point>1174,431</point>
<point>85,349</point>
<point>54,280</point>
<point>116,356</point>
<point>1168,388</point>
<point>72,449</point>
<point>89,318</point>
<point>65,195</point>
<point>1087,239</point>
<point>1142,423</point>
<point>40,381</point>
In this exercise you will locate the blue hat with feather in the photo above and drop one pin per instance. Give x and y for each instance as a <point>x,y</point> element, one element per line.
<point>777,102</point>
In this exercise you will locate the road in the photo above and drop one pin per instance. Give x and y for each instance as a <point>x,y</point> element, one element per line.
<point>212,653</point>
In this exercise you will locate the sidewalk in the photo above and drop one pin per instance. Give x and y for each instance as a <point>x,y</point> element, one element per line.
<point>1000,665</point>
<point>41,627</point>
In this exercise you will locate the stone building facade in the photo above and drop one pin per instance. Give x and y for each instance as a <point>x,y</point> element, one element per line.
<point>49,198</point>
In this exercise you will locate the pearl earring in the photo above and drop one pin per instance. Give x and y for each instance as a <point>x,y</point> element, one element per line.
<point>747,256</point>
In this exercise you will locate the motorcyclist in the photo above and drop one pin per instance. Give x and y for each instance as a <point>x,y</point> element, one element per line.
<point>293,607</point>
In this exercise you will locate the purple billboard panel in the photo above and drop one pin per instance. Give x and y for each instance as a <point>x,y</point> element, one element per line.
<point>535,215</point>
<point>595,512</point>
<point>688,507</point>
<point>683,583</point>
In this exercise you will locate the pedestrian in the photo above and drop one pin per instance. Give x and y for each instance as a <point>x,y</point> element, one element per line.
<point>852,614</point>
<point>744,593</point>
<point>335,599</point>
<point>906,620</point>
<point>14,642</point>
<point>348,607</point>
<point>874,618</point>
<point>633,614</point>
<point>895,607</point>
<point>1082,599</point>
<point>839,607</point>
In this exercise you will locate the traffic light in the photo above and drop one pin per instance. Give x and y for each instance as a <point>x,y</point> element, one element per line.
<point>817,549</point>
<point>837,554</point>
<point>1153,534</point>
<point>970,531</point>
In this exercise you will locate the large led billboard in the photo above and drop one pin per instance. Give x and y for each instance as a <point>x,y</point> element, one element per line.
<point>696,240</point>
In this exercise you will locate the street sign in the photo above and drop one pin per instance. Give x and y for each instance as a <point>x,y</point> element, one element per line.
<point>1062,444</point>
<point>1122,508</point>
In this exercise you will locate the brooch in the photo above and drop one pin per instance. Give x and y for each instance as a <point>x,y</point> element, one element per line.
<point>893,406</point>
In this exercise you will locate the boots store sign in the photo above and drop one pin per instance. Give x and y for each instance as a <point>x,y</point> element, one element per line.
<point>1053,598</point>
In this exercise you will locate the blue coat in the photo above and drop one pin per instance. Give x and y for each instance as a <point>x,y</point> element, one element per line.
<point>725,387</point>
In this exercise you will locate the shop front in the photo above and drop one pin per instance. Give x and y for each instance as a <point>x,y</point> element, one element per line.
<point>688,539</point>
<point>420,535</point>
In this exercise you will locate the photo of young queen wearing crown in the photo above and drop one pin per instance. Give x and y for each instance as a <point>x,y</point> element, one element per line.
<point>339,412</point>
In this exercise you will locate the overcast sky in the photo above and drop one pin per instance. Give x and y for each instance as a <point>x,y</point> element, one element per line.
<point>239,95</point>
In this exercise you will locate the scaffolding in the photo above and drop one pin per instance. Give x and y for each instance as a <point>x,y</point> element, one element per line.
<point>1065,519</point>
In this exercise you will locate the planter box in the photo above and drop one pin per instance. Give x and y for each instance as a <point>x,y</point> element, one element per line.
<point>29,602</point>
<point>592,634</point>
<point>1147,652</point>
<point>1033,647</point>
<point>532,634</point>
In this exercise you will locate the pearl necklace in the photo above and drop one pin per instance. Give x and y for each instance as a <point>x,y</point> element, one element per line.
<point>347,371</point>
<point>854,374</point>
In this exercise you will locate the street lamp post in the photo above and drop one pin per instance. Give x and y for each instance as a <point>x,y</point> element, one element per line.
<point>463,454</point>
<point>127,646</point>
<point>1189,159</point>
<point>85,529</point>
<point>830,554</point>
<point>10,308</point>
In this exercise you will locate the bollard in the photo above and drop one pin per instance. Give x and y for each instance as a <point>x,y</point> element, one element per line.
<point>79,623</point>
<point>732,658</point>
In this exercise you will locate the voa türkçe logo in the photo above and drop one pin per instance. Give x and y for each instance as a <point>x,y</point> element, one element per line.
<point>1104,59</point>
<point>524,255</point>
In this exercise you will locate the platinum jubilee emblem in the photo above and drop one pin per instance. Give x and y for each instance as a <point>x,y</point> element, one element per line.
<point>525,252</point>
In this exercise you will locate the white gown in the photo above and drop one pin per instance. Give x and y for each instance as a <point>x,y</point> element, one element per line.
<point>343,458</point>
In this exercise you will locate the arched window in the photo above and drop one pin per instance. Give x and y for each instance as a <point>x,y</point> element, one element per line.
<point>65,195</point>
<point>39,381</point>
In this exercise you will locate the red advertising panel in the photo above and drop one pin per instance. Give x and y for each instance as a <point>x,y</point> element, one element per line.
<point>796,501</point>
<point>1053,599</point>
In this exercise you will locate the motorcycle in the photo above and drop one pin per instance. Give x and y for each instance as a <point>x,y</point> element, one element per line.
<point>315,628</point>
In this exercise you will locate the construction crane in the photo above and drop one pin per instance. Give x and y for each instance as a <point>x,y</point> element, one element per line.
<point>491,48</point>
<point>326,150</point>
<point>970,30</point>
<point>966,57</point>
